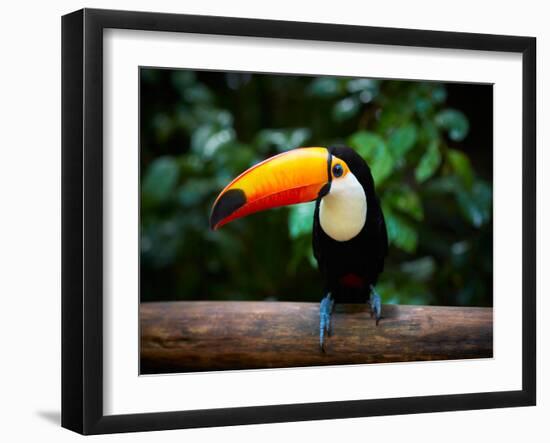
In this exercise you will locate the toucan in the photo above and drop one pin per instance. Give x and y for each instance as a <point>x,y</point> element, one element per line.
<point>349,236</point>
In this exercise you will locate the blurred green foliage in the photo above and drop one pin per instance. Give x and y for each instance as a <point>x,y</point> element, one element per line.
<point>200,129</point>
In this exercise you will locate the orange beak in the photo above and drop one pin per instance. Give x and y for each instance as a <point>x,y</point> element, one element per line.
<point>295,176</point>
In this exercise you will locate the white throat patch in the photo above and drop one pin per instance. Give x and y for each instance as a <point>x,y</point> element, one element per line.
<point>343,211</point>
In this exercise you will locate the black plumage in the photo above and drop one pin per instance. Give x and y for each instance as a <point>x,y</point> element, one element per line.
<point>349,268</point>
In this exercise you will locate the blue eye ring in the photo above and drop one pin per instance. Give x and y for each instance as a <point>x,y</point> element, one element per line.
<point>337,170</point>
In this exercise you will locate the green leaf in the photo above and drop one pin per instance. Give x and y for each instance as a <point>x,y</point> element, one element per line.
<point>476,205</point>
<point>207,139</point>
<point>376,153</point>
<point>406,200</point>
<point>345,109</point>
<point>454,122</point>
<point>423,106</point>
<point>442,185</point>
<point>297,137</point>
<point>282,139</point>
<point>439,94</point>
<point>218,118</point>
<point>217,140</point>
<point>231,159</point>
<point>300,219</point>
<point>195,190</point>
<point>429,162</point>
<point>402,140</point>
<point>394,114</point>
<point>362,84</point>
<point>427,133</point>
<point>401,233</point>
<point>160,179</point>
<point>461,166</point>
<point>198,93</point>
<point>420,269</point>
<point>325,87</point>
<point>182,80</point>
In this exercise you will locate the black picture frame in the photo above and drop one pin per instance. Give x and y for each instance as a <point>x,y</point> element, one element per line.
<point>82,220</point>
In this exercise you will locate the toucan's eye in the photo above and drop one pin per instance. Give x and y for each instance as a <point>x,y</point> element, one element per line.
<point>337,170</point>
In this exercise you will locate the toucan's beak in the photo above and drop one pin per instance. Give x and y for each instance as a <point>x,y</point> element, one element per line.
<point>294,176</point>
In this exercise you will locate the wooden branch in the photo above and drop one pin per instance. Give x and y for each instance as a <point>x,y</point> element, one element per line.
<point>205,336</point>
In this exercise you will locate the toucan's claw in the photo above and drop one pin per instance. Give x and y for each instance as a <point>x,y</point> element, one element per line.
<point>325,319</point>
<point>375,305</point>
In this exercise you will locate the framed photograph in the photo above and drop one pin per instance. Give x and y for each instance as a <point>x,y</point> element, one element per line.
<point>268,221</point>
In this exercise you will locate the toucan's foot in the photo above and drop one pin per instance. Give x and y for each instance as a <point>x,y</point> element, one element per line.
<point>325,317</point>
<point>375,305</point>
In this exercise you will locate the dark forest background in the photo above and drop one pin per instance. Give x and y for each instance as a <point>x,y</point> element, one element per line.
<point>428,144</point>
